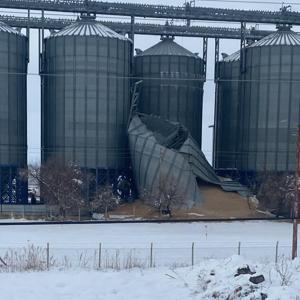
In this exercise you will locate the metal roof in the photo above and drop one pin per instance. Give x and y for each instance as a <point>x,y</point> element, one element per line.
<point>167,46</point>
<point>284,36</point>
<point>233,57</point>
<point>88,26</point>
<point>8,29</point>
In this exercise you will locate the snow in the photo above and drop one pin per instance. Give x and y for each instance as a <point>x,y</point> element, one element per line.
<point>172,242</point>
<point>208,280</point>
<point>165,235</point>
<point>173,277</point>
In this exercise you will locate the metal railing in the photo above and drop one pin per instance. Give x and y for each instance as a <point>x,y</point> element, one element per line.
<point>157,11</point>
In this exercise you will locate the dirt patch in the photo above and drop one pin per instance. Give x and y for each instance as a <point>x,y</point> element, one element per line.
<point>220,204</point>
<point>217,204</point>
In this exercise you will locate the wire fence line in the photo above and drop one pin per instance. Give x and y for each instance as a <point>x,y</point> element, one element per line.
<point>18,257</point>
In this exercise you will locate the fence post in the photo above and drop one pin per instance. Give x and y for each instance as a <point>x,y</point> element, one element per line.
<point>151,255</point>
<point>99,255</point>
<point>48,256</point>
<point>276,252</point>
<point>193,246</point>
<point>239,248</point>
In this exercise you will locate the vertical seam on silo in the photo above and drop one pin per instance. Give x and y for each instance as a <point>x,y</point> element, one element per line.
<point>231,155</point>
<point>145,177</point>
<point>171,163</point>
<point>151,183</point>
<point>267,113</point>
<point>74,98</point>
<point>118,152</point>
<point>289,111</point>
<point>277,127</point>
<point>184,114</point>
<point>247,105</point>
<point>257,107</point>
<point>125,102</point>
<point>216,119</point>
<point>159,84</point>
<point>98,124</point>
<point>170,79</point>
<point>253,152</point>
<point>242,100</point>
<point>86,144</point>
<point>63,140</point>
<point>142,156</point>
<point>19,147</point>
<point>201,102</point>
<point>135,163</point>
<point>108,103</point>
<point>42,100</point>
<point>54,131</point>
<point>8,97</point>
<point>178,90</point>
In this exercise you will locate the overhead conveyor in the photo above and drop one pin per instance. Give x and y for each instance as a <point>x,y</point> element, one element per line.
<point>186,12</point>
<point>140,28</point>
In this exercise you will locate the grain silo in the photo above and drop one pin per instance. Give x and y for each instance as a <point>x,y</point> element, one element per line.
<point>172,84</point>
<point>226,113</point>
<point>13,113</point>
<point>270,103</point>
<point>86,99</point>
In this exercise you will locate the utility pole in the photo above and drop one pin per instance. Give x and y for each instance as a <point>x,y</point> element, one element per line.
<point>297,198</point>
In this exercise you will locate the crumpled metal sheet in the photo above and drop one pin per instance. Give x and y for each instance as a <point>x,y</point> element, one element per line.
<point>162,148</point>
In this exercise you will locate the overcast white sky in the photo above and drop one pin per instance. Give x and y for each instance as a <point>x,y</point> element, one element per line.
<point>143,42</point>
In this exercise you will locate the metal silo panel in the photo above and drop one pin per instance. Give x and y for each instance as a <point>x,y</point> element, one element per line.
<point>226,125</point>
<point>270,106</point>
<point>87,98</point>
<point>13,114</point>
<point>172,85</point>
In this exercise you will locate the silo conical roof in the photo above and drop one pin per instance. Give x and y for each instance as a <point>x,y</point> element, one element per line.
<point>5,28</point>
<point>167,46</point>
<point>88,26</point>
<point>284,36</point>
<point>233,57</point>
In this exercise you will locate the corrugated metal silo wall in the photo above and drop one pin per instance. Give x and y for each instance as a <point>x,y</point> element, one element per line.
<point>226,112</point>
<point>86,100</point>
<point>166,93</point>
<point>270,108</point>
<point>13,115</point>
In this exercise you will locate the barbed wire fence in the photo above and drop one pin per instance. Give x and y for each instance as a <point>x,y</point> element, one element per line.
<point>102,257</point>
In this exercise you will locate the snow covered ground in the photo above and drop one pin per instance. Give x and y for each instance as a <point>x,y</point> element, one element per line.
<point>172,242</point>
<point>210,279</point>
<point>173,277</point>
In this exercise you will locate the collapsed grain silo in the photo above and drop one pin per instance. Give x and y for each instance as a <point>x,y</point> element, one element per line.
<point>13,113</point>
<point>167,160</point>
<point>269,109</point>
<point>86,96</point>
<point>172,85</point>
<point>226,113</point>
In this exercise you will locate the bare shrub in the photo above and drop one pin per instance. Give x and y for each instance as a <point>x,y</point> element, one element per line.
<point>61,184</point>
<point>28,258</point>
<point>277,191</point>
<point>283,269</point>
<point>83,260</point>
<point>165,195</point>
<point>118,262</point>
<point>104,200</point>
<point>132,261</point>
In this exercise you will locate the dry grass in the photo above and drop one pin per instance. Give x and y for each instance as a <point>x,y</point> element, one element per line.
<point>32,258</point>
<point>28,258</point>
